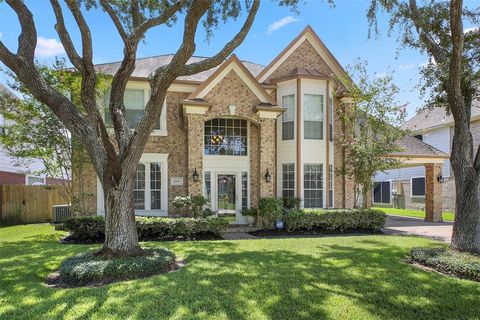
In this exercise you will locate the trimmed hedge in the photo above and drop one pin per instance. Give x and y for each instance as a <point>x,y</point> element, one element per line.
<point>87,268</point>
<point>91,229</point>
<point>460,264</point>
<point>334,220</point>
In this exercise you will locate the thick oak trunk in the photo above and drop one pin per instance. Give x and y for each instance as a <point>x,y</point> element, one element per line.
<point>121,239</point>
<point>466,228</point>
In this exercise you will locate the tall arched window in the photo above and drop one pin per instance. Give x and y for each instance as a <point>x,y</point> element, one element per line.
<point>225,136</point>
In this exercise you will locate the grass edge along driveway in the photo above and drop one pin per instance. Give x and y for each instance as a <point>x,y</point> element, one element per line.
<point>447,215</point>
<point>350,277</point>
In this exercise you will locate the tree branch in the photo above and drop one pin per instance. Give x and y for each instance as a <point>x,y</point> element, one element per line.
<point>227,49</point>
<point>424,35</point>
<point>65,37</point>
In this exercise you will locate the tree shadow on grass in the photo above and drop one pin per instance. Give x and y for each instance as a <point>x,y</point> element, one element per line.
<point>260,279</point>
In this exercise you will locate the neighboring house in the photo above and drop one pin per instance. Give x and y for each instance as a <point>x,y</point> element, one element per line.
<point>13,171</point>
<point>406,186</point>
<point>241,132</point>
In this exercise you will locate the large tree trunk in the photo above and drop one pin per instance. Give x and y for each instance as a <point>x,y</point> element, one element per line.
<point>121,237</point>
<point>466,228</point>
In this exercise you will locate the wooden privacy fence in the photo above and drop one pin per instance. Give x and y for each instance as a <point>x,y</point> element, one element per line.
<point>20,204</point>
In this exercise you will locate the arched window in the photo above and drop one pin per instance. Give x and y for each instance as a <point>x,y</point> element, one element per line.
<point>226,137</point>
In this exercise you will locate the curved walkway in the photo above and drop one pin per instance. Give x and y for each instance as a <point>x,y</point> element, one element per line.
<point>418,227</point>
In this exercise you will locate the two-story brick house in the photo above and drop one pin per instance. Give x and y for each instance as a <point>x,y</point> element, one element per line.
<point>240,132</point>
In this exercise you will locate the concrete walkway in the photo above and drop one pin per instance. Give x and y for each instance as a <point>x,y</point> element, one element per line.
<point>416,226</point>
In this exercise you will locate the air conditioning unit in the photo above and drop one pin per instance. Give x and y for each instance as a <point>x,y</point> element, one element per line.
<point>61,212</point>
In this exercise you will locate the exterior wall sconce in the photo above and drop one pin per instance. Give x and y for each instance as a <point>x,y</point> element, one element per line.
<point>442,179</point>
<point>268,176</point>
<point>195,175</point>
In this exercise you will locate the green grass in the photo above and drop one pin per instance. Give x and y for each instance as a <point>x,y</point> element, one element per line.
<point>357,277</point>
<point>447,216</point>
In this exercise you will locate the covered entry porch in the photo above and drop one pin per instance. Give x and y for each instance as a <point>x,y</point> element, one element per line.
<point>417,153</point>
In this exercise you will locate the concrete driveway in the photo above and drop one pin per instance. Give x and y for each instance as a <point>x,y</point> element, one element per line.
<point>415,226</point>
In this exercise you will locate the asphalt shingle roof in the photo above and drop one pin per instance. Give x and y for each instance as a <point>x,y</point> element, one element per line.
<point>412,146</point>
<point>145,66</point>
<point>426,119</point>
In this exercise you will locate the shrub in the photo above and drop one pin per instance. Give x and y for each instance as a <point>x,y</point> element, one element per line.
<point>460,264</point>
<point>270,210</point>
<point>92,229</point>
<point>86,268</point>
<point>86,229</point>
<point>249,212</point>
<point>291,202</point>
<point>335,220</point>
<point>192,206</point>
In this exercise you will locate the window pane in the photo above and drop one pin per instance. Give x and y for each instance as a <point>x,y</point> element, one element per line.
<point>313,116</point>
<point>155,186</point>
<point>377,192</point>
<point>288,180</point>
<point>313,185</point>
<point>244,190</point>
<point>207,187</point>
<point>139,188</point>
<point>288,117</point>
<point>226,137</point>
<point>418,186</point>
<point>385,192</point>
<point>330,120</point>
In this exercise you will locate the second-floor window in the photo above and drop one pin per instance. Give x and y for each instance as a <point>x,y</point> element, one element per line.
<point>313,116</point>
<point>134,101</point>
<point>288,117</point>
<point>226,137</point>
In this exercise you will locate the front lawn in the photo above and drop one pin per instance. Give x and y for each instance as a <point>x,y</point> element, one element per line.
<point>447,215</point>
<point>355,277</point>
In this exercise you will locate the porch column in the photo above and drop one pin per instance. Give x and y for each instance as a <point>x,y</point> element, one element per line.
<point>195,152</point>
<point>267,157</point>
<point>433,192</point>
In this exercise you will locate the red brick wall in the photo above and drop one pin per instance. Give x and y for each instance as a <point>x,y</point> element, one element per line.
<point>11,178</point>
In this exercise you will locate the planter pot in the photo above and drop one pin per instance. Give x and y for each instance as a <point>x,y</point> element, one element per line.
<point>251,221</point>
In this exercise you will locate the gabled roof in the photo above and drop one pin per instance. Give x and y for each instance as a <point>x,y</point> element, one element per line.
<point>145,66</point>
<point>307,35</point>
<point>232,64</point>
<point>434,118</point>
<point>7,91</point>
<point>415,148</point>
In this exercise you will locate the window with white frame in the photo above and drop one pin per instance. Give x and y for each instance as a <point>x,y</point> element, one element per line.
<point>207,187</point>
<point>330,186</point>
<point>288,117</point>
<point>288,180</point>
<point>147,191</point>
<point>313,116</point>
<point>226,137</point>
<point>135,100</point>
<point>35,181</point>
<point>330,119</point>
<point>244,190</point>
<point>418,187</point>
<point>381,192</point>
<point>313,185</point>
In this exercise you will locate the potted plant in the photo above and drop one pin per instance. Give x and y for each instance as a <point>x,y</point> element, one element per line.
<point>251,215</point>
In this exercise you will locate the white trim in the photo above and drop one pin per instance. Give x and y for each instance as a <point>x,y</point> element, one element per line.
<point>195,109</point>
<point>146,158</point>
<point>246,79</point>
<point>32,176</point>
<point>411,188</point>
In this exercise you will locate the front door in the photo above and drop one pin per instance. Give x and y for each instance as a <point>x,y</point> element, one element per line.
<point>227,197</point>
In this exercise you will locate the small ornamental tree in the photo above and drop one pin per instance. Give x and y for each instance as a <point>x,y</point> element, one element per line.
<point>451,81</point>
<point>372,120</point>
<point>115,157</point>
<point>32,131</point>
